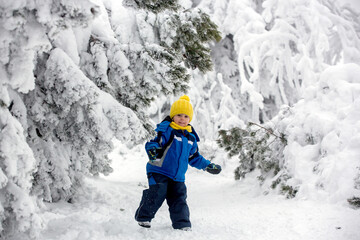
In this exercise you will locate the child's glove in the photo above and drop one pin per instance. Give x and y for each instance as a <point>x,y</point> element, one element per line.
<point>213,168</point>
<point>152,153</point>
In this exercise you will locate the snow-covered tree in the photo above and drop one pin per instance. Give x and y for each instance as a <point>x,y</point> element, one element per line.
<point>279,47</point>
<point>290,53</point>
<point>165,41</point>
<point>258,147</point>
<point>76,74</point>
<point>322,132</point>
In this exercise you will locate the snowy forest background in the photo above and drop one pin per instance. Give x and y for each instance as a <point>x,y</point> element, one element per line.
<point>274,82</point>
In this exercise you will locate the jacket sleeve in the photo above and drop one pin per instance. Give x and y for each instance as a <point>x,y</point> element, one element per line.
<point>195,158</point>
<point>163,136</point>
<point>154,143</point>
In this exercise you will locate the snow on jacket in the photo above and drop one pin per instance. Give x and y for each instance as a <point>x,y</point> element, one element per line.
<point>176,149</point>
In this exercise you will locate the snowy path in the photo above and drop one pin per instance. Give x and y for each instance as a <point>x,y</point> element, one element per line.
<point>220,209</point>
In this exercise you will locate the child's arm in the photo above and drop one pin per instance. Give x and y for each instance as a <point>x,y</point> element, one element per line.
<point>154,146</point>
<point>195,158</point>
<point>198,161</point>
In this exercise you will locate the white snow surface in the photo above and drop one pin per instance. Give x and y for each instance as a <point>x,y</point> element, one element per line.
<point>220,208</point>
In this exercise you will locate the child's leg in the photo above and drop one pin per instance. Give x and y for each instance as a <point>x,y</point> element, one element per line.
<point>152,198</point>
<point>179,210</point>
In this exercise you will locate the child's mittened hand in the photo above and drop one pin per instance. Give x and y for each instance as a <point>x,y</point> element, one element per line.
<point>152,153</point>
<point>213,168</point>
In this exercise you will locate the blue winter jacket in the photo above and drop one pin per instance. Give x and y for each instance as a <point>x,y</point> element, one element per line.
<point>175,150</point>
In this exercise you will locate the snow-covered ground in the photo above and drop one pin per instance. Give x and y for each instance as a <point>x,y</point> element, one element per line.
<point>220,208</point>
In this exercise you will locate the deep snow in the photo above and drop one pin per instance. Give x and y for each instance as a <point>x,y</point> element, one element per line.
<point>220,207</point>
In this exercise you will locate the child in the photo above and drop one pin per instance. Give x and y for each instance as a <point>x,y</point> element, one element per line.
<point>169,155</point>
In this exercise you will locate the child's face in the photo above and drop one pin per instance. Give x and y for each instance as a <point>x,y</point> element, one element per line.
<point>181,119</point>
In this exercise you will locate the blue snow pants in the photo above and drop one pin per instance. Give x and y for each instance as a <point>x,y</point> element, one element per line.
<point>161,188</point>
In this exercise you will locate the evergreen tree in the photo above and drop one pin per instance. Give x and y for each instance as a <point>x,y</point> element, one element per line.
<point>170,42</point>
<point>168,39</point>
<point>258,147</point>
<point>157,5</point>
<point>74,75</point>
<point>272,55</point>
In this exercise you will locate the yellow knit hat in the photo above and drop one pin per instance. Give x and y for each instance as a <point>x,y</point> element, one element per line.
<point>182,106</point>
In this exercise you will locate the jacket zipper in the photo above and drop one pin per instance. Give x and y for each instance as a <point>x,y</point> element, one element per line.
<point>179,159</point>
